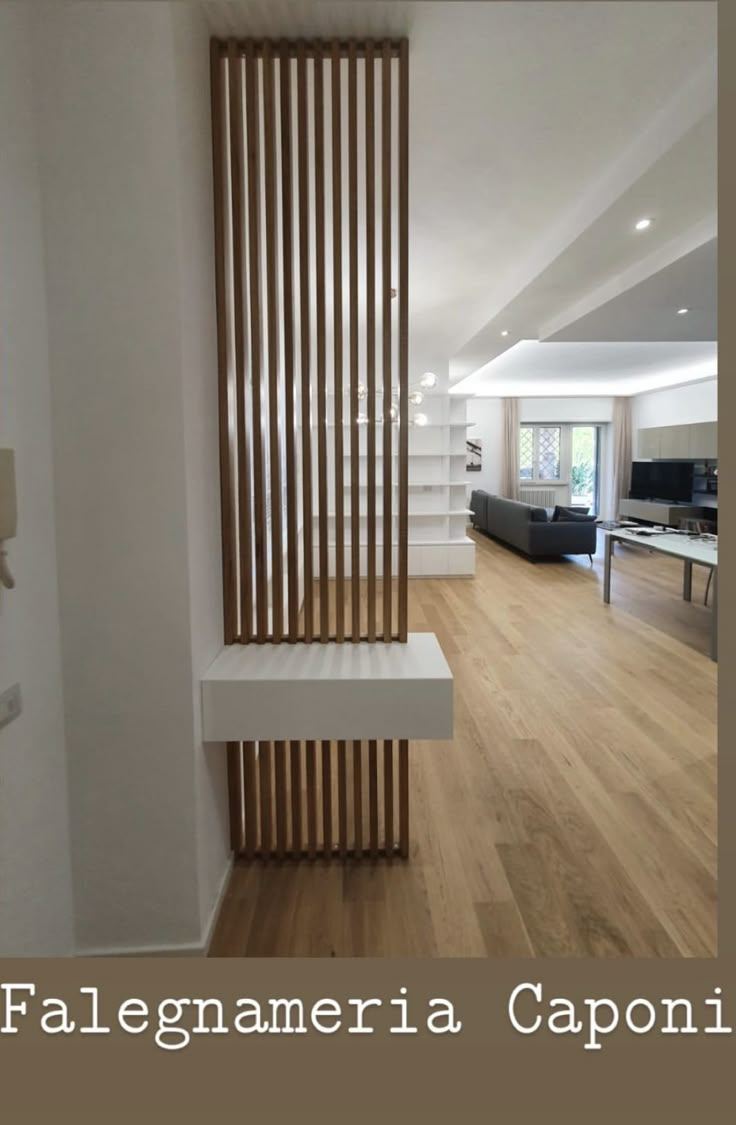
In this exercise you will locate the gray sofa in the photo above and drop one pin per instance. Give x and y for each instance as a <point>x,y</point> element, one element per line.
<point>530,529</point>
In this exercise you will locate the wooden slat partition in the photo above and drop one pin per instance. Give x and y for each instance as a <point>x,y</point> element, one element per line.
<point>404,798</point>
<point>334,829</point>
<point>358,795</point>
<point>281,791</point>
<point>326,797</point>
<point>234,789</point>
<point>287,249</point>
<point>290,371</point>
<point>319,212</point>
<point>370,300</point>
<point>254,281</point>
<point>342,798</point>
<point>337,334</point>
<point>250,797</point>
<point>403,327</point>
<point>311,753</point>
<point>296,796</point>
<point>353,323</point>
<point>274,421</point>
<point>387,631</point>
<point>373,796</point>
<point>227,514</point>
<point>265,810</point>
<point>237,194</point>
<point>388,793</point>
<point>305,340</point>
<point>311,204</point>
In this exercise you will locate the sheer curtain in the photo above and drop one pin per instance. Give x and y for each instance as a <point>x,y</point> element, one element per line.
<point>621,481</point>
<point>510,464</point>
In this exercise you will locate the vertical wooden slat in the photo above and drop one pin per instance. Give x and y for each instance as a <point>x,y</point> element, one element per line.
<point>264,768</point>
<point>295,754</point>
<point>217,91</point>
<point>337,263</point>
<point>404,798</point>
<point>319,207</point>
<point>373,796</point>
<point>388,794</point>
<point>303,168</point>
<point>280,786</point>
<point>386,333</point>
<point>287,247</point>
<point>353,329</point>
<point>259,500</point>
<point>370,320</point>
<point>327,797</point>
<point>403,297</point>
<point>342,798</point>
<point>237,189</point>
<point>272,329</point>
<point>358,796</point>
<point>235,795</point>
<point>311,753</point>
<point>251,799</point>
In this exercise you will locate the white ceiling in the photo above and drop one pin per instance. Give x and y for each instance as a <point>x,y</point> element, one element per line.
<point>539,131</point>
<point>534,368</point>
<point>649,310</point>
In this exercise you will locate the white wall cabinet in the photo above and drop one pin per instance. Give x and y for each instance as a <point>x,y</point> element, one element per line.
<point>698,440</point>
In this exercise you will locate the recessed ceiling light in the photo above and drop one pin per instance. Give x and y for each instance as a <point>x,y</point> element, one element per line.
<point>505,332</point>
<point>681,312</point>
<point>642,224</point>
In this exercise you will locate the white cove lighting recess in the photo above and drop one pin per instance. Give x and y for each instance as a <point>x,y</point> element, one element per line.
<point>642,224</point>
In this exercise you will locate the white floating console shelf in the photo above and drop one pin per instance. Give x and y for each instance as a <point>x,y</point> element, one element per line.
<point>328,691</point>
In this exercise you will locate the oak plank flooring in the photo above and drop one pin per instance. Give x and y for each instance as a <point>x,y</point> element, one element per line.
<point>574,812</point>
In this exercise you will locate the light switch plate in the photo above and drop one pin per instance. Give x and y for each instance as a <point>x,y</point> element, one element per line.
<point>11,705</point>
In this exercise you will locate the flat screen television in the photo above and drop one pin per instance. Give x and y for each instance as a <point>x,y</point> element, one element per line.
<point>662,480</point>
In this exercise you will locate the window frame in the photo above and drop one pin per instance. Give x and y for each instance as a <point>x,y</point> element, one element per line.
<point>565,479</point>
<point>565,453</point>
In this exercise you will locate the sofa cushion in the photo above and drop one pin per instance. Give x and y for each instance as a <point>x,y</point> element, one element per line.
<point>575,517</point>
<point>562,512</point>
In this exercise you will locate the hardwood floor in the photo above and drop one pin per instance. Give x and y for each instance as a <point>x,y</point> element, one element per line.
<point>573,813</point>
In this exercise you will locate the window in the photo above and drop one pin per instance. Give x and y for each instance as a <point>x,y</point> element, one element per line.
<point>565,455</point>
<point>526,453</point>
<point>584,466</point>
<point>539,452</point>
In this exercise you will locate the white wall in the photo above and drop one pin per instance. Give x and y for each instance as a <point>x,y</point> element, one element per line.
<point>675,406</point>
<point>564,409</point>
<point>487,416</point>
<point>201,427</point>
<point>35,878</point>
<point>128,259</point>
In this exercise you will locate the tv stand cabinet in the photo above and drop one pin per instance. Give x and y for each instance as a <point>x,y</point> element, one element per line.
<point>659,511</point>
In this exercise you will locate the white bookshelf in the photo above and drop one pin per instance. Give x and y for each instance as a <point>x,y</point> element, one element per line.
<point>438,492</point>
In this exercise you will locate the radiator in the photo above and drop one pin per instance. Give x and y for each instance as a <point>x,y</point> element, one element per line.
<point>542,497</point>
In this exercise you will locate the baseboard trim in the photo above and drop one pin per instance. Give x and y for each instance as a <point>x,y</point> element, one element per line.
<point>190,949</point>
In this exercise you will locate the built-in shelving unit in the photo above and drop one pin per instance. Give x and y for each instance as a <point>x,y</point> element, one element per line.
<point>438,512</point>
